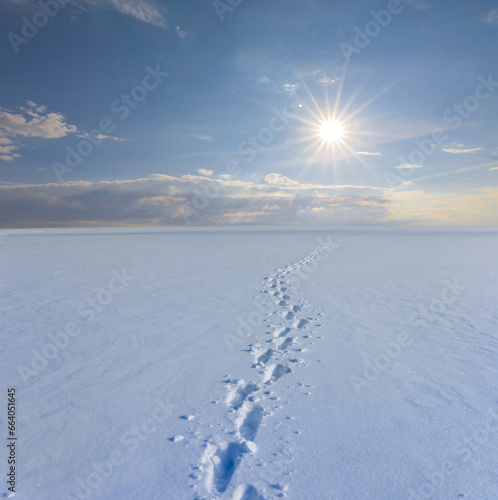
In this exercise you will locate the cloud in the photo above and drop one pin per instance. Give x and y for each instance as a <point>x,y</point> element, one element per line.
<point>263,79</point>
<point>189,199</point>
<point>471,207</point>
<point>494,168</point>
<point>197,200</point>
<point>409,165</point>
<point>181,33</point>
<point>322,77</point>
<point>291,88</point>
<point>8,150</point>
<point>32,122</point>
<point>279,180</point>
<point>366,153</point>
<point>141,10</point>
<point>205,138</point>
<point>101,137</point>
<point>461,151</point>
<point>205,172</point>
<point>490,17</point>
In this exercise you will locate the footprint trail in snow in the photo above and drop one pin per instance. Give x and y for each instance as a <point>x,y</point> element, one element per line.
<point>273,354</point>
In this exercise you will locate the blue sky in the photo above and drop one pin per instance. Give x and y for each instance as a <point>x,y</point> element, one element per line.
<point>231,135</point>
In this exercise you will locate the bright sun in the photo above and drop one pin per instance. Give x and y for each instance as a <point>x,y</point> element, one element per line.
<point>331,131</point>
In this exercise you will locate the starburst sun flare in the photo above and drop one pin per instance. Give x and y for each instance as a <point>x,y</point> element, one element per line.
<point>331,131</point>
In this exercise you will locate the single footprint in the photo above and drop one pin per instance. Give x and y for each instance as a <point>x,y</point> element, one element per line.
<point>223,461</point>
<point>263,359</point>
<point>284,332</point>
<point>302,323</point>
<point>274,372</point>
<point>247,493</point>
<point>240,393</point>
<point>286,343</point>
<point>250,425</point>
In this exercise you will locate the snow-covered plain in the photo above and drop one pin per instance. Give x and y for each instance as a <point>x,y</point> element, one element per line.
<point>251,364</point>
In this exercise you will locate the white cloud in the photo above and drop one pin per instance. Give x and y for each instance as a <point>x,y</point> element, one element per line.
<point>207,173</point>
<point>291,88</point>
<point>461,151</point>
<point>494,168</point>
<point>34,124</point>
<point>490,17</point>
<point>263,79</point>
<point>327,80</point>
<point>366,153</point>
<point>279,180</point>
<point>181,33</point>
<point>8,149</point>
<point>109,137</point>
<point>142,10</point>
<point>101,137</point>
<point>33,121</point>
<point>409,165</point>
<point>322,77</point>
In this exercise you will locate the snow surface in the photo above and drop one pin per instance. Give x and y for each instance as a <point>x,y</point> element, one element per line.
<point>252,364</point>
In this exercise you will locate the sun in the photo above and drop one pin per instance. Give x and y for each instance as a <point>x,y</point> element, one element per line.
<point>331,131</point>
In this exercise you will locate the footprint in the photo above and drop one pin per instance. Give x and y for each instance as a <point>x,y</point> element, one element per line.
<point>289,315</point>
<point>250,425</point>
<point>222,463</point>
<point>296,308</point>
<point>240,393</point>
<point>302,323</point>
<point>286,297</point>
<point>282,303</point>
<point>273,373</point>
<point>247,493</point>
<point>263,359</point>
<point>282,333</point>
<point>286,343</point>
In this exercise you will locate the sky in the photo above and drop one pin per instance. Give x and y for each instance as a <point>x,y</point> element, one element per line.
<point>248,112</point>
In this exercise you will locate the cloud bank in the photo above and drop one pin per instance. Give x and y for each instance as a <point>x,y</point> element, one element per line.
<point>188,200</point>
